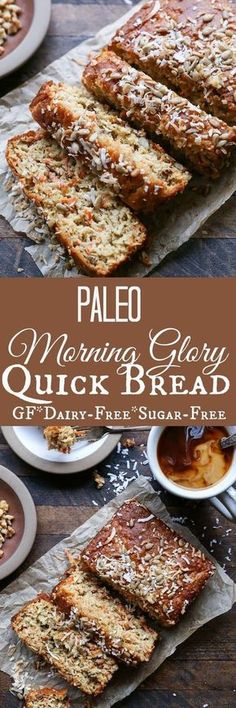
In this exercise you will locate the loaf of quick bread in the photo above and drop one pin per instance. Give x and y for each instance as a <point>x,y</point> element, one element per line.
<point>139,171</point>
<point>148,563</point>
<point>97,230</point>
<point>204,141</point>
<point>109,621</point>
<point>45,630</point>
<point>188,46</point>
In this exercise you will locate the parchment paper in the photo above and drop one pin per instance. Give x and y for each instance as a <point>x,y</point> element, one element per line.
<point>217,598</point>
<point>171,226</point>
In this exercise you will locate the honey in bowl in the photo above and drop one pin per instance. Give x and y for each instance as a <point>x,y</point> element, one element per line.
<point>194,460</point>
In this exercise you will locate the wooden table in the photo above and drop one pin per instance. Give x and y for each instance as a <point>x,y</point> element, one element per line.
<point>211,252</point>
<point>202,672</point>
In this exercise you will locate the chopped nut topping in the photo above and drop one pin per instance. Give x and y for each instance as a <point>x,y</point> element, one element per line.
<point>6,525</point>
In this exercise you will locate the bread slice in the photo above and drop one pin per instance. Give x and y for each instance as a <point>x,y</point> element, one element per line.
<point>46,631</point>
<point>61,437</point>
<point>110,622</point>
<point>204,141</point>
<point>148,563</point>
<point>47,698</point>
<point>188,46</point>
<point>139,171</point>
<point>98,231</point>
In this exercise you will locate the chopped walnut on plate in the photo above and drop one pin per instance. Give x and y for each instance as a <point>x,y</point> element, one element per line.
<point>6,526</point>
<point>10,23</point>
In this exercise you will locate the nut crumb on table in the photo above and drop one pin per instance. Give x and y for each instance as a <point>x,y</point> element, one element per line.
<point>98,479</point>
<point>129,442</point>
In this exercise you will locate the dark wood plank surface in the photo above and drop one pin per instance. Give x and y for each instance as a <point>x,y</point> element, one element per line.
<point>212,250</point>
<point>202,671</point>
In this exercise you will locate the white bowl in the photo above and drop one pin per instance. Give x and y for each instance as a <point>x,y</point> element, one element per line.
<point>184,492</point>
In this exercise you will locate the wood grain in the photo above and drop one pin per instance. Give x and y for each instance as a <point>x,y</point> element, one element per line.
<point>71,23</point>
<point>202,671</point>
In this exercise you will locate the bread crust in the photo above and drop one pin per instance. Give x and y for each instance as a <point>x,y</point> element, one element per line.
<point>88,262</point>
<point>109,621</point>
<point>148,563</point>
<point>44,694</point>
<point>92,658</point>
<point>204,141</point>
<point>187,46</point>
<point>89,133</point>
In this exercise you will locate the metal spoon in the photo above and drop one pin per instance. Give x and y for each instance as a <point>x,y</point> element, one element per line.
<point>197,432</point>
<point>228,442</point>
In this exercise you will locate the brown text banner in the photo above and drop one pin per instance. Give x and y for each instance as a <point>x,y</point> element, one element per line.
<point>138,352</point>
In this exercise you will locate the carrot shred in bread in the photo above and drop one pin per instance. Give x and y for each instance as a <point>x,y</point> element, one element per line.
<point>148,563</point>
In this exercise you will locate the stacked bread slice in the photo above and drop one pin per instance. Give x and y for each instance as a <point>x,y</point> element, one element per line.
<point>186,46</point>
<point>45,630</point>
<point>111,623</point>
<point>205,142</point>
<point>140,172</point>
<point>97,231</point>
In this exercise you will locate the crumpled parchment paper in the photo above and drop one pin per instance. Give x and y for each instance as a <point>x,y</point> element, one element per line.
<point>172,225</point>
<point>216,598</point>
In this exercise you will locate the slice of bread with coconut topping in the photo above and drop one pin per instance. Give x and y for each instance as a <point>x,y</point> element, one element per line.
<point>188,46</point>
<point>97,230</point>
<point>138,170</point>
<point>204,141</point>
<point>108,620</point>
<point>46,631</point>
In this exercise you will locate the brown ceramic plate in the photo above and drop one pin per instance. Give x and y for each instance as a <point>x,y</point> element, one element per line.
<point>21,504</point>
<point>20,47</point>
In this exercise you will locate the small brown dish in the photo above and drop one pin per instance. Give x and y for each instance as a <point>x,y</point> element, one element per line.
<point>21,507</point>
<point>19,47</point>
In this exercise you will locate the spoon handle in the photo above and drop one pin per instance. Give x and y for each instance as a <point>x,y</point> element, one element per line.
<point>228,442</point>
